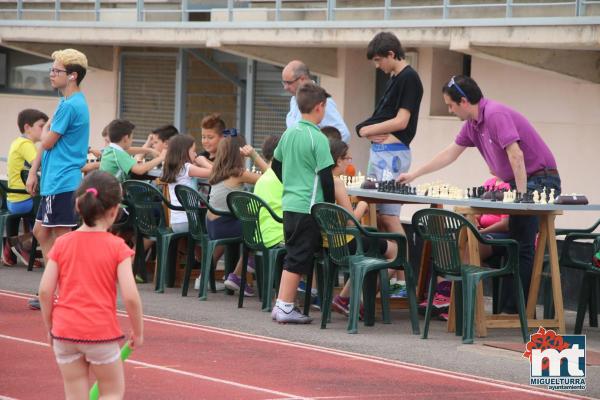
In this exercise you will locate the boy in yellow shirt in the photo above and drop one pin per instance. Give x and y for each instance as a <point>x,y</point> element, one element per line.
<point>21,154</point>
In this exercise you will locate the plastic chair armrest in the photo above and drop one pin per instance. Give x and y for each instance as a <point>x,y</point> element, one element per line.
<point>401,242</point>
<point>273,215</point>
<point>567,231</point>
<point>565,254</point>
<point>176,208</point>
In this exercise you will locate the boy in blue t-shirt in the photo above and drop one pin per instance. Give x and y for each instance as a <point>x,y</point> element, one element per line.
<point>302,162</point>
<point>65,140</point>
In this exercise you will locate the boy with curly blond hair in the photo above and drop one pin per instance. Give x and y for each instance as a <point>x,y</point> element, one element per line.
<point>65,141</point>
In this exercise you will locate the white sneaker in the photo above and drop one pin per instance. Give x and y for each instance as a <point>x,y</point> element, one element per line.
<point>219,286</point>
<point>293,317</point>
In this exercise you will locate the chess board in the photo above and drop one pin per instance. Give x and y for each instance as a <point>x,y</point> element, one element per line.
<point>448,191</point>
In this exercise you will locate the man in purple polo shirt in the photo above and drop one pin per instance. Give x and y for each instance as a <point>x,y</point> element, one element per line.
<point>513,151</point>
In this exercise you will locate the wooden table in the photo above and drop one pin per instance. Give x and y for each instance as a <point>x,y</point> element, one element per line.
<point>547,240</point>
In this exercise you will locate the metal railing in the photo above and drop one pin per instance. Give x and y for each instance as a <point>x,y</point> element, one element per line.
<point>289,10</point>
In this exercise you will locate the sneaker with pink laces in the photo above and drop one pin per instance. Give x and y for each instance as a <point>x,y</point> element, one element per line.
<point>440,305</point>
<point>341,305</point>
<point>8,258</point>
<point>441,302</point>
<point>23,255</point>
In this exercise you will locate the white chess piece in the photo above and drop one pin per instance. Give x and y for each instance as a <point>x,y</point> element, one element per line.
<point>544,198</point>
<point>551,200</point>
<point>536,197</point>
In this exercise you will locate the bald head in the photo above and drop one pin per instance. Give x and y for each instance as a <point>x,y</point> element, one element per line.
<point>293,75</point>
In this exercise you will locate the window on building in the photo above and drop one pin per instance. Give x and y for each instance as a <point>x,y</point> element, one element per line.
<point>24,73</point>
<point>147,91</point>
<point>445,64</point>
<point>271,103</point>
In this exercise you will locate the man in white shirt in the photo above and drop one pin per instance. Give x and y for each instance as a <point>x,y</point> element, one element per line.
<point>295,74</point>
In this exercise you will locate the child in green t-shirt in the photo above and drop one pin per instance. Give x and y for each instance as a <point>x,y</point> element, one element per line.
<point>303,163</point>
<point>21,154</point>
<point>115,159</point>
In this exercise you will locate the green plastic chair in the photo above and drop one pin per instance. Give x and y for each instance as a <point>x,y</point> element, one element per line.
<point>147,203</point>
<point>590,284</point>
<point>443,228</point>
<point>195,217</point>
<point>363,267</point>
<point>196,205</point>
<point>247,207</point>
<point>6,217</point>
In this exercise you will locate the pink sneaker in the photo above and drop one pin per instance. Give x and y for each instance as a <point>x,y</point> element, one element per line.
<point>341,305</point>
<point>441,302</point>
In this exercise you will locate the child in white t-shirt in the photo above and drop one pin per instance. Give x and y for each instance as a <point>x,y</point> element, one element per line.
<point>179,169</point>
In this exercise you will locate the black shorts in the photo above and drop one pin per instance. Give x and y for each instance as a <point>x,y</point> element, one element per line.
<point>58,210</point>
<point>302,241</point>
<point>382,245</point>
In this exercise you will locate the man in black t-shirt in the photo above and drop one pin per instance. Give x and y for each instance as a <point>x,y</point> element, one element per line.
<point>393,124</point>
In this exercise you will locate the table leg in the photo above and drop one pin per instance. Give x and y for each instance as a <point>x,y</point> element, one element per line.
<point>555,273</point>
<point>538,261</point>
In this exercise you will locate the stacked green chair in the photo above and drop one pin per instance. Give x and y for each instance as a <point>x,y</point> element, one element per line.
<point>7,217</point>
<point>196,205</point>
<point>338,224</point>
<point>590,284</point>
<point>443,228</point>
<point>147,203</point>
<point>247,207</point>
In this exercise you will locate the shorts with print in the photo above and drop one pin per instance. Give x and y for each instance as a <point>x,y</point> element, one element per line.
<point>386,162</point>
<point>95,353</point>
<point>58,210</point>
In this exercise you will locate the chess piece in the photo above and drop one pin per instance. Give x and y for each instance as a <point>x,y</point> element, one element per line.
<point>536,197</point>
<point>551,200</point>
<point>543,198</point>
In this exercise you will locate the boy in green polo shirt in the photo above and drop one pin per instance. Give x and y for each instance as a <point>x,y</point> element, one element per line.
<point>302,162</point>
<point>115,159</point>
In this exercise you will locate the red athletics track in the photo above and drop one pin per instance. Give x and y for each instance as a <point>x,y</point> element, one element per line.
<point>188,361</point>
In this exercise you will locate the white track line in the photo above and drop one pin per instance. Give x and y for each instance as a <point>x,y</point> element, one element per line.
<point>180,372</point>
<point>356,356</point>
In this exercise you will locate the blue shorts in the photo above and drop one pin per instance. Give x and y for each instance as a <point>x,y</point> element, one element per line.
<point>20,207</point>
<point>58,210</point>
<point>386,162</point>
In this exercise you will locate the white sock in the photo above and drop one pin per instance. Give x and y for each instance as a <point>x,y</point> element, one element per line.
<point>286,307</point>
<point>314,291</point>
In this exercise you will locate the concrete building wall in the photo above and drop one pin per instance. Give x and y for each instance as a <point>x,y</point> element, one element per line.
<point>100,90</point>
